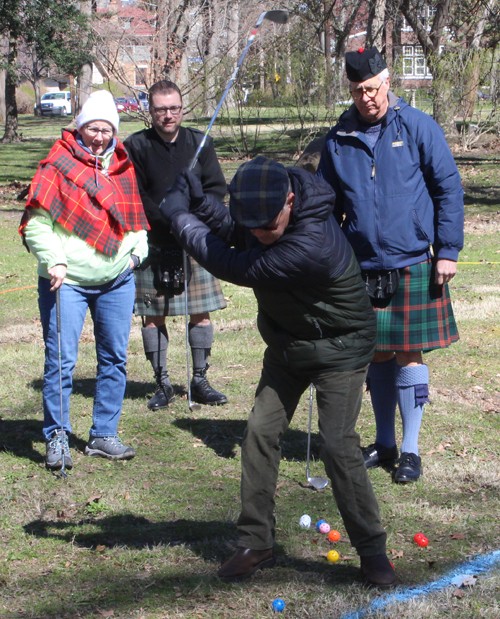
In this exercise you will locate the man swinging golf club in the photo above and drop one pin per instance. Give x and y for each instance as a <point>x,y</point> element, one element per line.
<point>280,239</point>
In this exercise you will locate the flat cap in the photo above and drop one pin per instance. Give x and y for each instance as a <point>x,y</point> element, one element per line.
<point>363,64</point>
<point>258,192</point>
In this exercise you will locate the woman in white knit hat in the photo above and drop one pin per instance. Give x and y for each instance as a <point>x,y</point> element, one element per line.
<point>85,224</point>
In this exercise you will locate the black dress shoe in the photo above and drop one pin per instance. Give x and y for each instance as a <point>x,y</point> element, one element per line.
<point>409,469</point>
<point>203,393</point>
<point>162,398</point>
<point>245,562</point>
<point>378,455</point>
<point>378,571</point>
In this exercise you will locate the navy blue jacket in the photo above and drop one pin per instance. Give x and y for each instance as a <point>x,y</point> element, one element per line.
<point>313,306</point>
<point>395,201</point>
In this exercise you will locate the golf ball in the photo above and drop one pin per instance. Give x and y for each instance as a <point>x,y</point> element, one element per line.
<point>334,535</point>
<point>333,556</point>
<point>305,521</point>
<point>278,605</point>
<point>319,523</point>
<point>324,527</point>
<point>421,540</point>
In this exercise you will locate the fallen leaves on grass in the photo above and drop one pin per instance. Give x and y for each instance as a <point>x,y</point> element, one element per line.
<point>440,449</point>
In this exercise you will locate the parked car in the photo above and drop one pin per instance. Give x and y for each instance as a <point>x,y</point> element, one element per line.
<point>127,104</point>
<point>55,103</point>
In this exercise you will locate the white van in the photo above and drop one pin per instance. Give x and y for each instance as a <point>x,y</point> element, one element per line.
<point>56,103</point>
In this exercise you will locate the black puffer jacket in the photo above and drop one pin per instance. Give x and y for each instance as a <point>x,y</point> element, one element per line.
<point>312,302</point>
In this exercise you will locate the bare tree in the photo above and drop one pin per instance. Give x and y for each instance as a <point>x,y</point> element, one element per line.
<point>376,23</point>
<point>3,54</point>
<point>85,76</point>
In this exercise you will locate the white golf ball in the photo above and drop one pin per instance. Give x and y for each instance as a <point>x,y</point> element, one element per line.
<point>305,521</point>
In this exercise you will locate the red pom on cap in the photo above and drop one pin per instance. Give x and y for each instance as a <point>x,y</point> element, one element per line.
<point>361,50</point>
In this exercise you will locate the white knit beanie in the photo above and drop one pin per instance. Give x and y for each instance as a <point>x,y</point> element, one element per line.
<point>99,106</point>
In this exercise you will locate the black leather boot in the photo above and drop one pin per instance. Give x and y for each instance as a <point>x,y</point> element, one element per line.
<point>155,341</point>
<point>164,394</point>
<point>201,390</point>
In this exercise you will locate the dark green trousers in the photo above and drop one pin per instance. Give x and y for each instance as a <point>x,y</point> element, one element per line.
<point>338,397</point>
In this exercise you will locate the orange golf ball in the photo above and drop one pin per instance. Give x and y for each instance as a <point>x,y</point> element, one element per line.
<point>333,556</point>
<point>334,536</point>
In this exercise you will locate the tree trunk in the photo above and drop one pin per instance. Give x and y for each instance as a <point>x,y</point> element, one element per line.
<point>36,87</point>
<point>160,41</point>
<point>442,89</point>
<point>4,47</point>
<point>84,86</point>
<point>376,22</point>
<point>328,62</point>
<point>11,134</point>
<point>471,81</point>
<point>232,42</point>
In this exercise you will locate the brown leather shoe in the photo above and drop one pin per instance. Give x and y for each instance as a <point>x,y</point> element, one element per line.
<point>245,562</point>
<point>378,571</point>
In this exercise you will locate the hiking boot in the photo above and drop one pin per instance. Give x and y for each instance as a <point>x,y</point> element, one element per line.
<point>110,447</point>
<point>245,562</point>
<point>409,468</point>
<point>378,571</point>
<point>162,398</point>
<point>54,455</point>
<point>378,455</point>
<point>203,393</point>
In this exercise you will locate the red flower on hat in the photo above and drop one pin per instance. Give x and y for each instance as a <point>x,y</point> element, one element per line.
<point>361,50</point>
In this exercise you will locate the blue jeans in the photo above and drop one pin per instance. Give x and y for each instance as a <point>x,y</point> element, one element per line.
<point>111,308</point>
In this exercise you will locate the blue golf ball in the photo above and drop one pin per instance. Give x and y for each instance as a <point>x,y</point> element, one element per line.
<point>278,605</point>
<point>319,523</point>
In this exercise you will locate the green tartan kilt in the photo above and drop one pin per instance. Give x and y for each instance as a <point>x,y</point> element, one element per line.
<point>204,294</point>
<point>419,316</point>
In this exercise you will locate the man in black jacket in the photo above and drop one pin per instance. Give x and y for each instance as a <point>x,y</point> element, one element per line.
<point>279,238</point>
<point>158,155</point>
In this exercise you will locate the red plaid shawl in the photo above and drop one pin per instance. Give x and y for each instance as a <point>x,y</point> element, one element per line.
<point>100,214</point>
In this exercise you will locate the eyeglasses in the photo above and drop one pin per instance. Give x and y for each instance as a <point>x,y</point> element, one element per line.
<point>370,91</point>
<point>106,133</point>
<point>162,111</point>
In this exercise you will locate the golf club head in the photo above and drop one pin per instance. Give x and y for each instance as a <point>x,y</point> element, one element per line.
<point>318,482</point>
<point>278,17</point>
<point>194,407</point>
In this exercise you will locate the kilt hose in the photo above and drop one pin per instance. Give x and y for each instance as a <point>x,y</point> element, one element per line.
<point>420,314</point>
<point>204,294</point>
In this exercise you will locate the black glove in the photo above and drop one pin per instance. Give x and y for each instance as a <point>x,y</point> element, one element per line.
<point>195,189</point>
<point>176,200</point>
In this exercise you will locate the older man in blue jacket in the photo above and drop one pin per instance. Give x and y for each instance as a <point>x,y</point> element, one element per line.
<point>399,200</point>
<point>279,238</point>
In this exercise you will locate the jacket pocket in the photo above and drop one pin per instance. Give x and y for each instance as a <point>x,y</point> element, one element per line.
<point>420,232</point>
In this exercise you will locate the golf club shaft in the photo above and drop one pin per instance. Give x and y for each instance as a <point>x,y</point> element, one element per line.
<point>186,319</point>
<point>274,16</point>
<point>311,393</point>
<point>59,360</point>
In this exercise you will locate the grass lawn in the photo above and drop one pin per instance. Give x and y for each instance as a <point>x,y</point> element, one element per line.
<point>143,539</point>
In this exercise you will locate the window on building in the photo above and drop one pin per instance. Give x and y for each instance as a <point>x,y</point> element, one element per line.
<point>414,63</point>
<point>141,74</point>
<point>426,16</point>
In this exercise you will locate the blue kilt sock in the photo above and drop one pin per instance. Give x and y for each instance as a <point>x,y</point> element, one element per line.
<point>413,391</point>
<point>381,383</point>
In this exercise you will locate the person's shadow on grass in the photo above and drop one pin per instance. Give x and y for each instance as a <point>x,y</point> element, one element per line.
<point>214,541</point>
<point>223,435</point>
<point>18,437</point>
